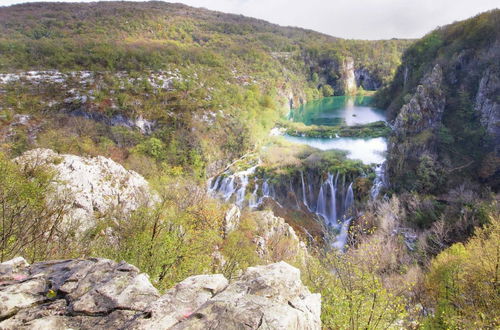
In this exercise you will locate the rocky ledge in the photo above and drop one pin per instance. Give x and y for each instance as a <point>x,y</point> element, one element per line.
<point>100,293</point>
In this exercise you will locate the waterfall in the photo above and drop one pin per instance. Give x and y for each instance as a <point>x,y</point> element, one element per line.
<point>321,204</point>
<point>332,200</point>
<point>327,208</point>
<point>227,185</point>
<point>341,239</point>
<point>213,187</point>
<point>253,202</point>
<point>304,199</point>
<point>265,189</point>
<point>379,181</point>
<point>349,200</point>
<point>333,205</point>
<point>240,194</point>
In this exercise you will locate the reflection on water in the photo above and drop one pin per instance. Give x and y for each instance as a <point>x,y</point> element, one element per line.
<point>367,150</point>
<point>337,110</point>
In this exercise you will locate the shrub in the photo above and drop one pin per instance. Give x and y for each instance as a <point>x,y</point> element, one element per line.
<point>31,213</point>
<point>352,298</point>
<point>463,282</point>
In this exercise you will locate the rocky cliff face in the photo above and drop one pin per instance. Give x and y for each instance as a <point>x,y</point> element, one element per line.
<point>348,77</point>
<point>93,186</point>
<point>366,80</point>
<point>445,109</point>
<point>487,103</point>
<point>412,145</point>
<point>99,294</point>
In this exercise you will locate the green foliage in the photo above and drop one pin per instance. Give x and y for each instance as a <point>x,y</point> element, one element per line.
<point>463,283</point>
<point>427,174</point>
<point>29,220</point>
<point>327,90</point>
<point>152,147</point>
<point>238,249</point>
<point>232,70</point>
<point>352,297</point>
<point>461,145</point>
<point>371,130</point>
<point>171,241</point>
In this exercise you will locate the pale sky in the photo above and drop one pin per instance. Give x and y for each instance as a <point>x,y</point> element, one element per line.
<point>358,19</point>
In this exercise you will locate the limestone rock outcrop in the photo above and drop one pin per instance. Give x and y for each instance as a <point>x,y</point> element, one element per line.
<point>231,219</point>
<point>426,107</point>
<point>488,104</point>
<point>348,78</point>
<point>412,143</point>
<point>78,294</point>
<point>276,239</point>
<point>100,293</point>
<point>93,185</point>
<point>366,80</point>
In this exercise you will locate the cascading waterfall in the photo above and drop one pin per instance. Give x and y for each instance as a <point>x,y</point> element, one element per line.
<point>333,206</point>
<point>321,205</point>
<point>265,189</point>
<point>232,184</point>
<point>240,193</point>
<point>334,201</point>
<point>327,200</point>
<point>379,181</point>
<point>213,186</point>
<point>226,188</point>
<point>304,199</point>
<point>341,238</point>
<point>349,200</point>
<point>253,202</point>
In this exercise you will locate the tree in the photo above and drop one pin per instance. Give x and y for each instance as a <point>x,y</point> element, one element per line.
<point>352,297</point>
<point>171,241</point>
<point>30,213</point>
<point>327,90</point>
<point>463,282</point>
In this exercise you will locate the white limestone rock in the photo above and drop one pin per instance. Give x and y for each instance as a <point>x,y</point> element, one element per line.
<point>94,185</point>
<point>102,294</point>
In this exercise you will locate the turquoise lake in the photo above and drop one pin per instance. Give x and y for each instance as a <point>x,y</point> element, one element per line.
<point>338,110</point>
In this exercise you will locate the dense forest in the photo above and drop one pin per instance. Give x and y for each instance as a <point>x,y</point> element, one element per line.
<point>180,94</point>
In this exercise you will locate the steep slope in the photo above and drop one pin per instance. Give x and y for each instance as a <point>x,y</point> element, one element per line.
<point>207,85</point>
<point>445,107</point>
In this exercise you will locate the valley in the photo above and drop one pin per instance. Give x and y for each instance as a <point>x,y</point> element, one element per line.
<point>286,177</point>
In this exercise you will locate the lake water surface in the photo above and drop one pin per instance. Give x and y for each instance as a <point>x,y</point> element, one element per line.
<point>339,110</point>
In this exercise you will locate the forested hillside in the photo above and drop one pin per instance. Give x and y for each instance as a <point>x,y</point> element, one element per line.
<point>150,132</point>
<point>449,128</point>
<point>229,76</point>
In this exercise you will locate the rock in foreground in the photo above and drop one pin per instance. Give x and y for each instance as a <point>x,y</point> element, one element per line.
<point>100,293</point>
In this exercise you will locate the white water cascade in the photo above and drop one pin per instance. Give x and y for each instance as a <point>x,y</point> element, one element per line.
<point>304,199</point>
<point>379,181</point>
<point>349,200</point>
<point>332,200</point>
<point>232,185</point>
<point>326,206</point>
